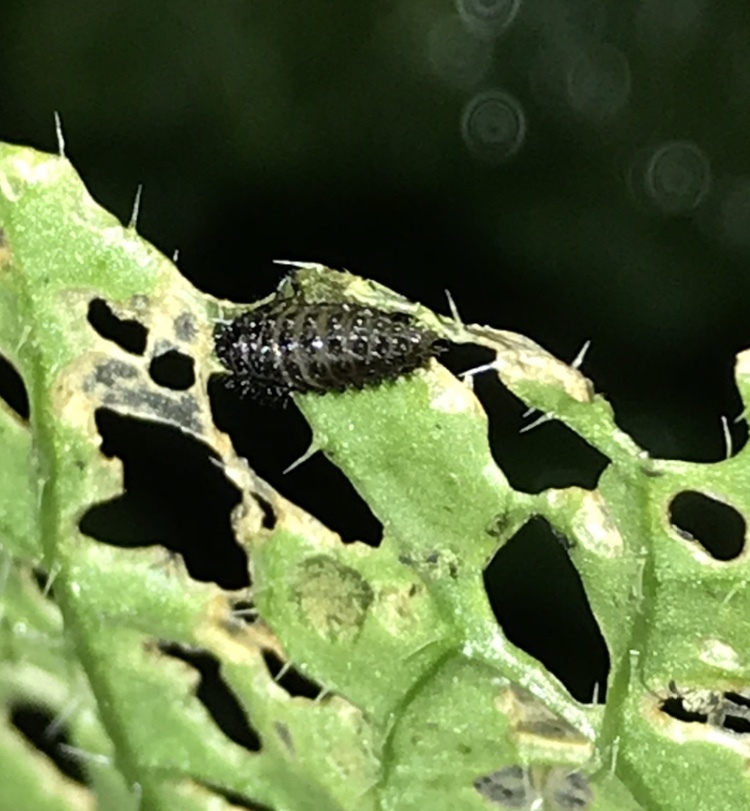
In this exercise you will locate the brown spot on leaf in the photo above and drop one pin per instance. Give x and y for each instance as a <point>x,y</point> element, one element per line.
<point>334,598</point>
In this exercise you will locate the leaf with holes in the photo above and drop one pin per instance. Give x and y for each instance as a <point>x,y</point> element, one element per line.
<point>141,667</point>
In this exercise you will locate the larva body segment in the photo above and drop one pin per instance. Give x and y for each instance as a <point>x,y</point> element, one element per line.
<point>278,349</point>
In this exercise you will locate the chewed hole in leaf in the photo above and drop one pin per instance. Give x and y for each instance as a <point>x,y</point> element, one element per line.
<point>323,490</point>
<point>127,334</point>
<point>44,581</point>
<point>676,708</point>
<point>216,696</point>
<point>741,699</point>
<point>315,484</point>
<point>548,455</point>
<point>716,526</point>
<point>539,601</point>
<point>245,611</point>
<point>174,496</point>
<point>737,712</point>
<point>654,410</point>
<point>234,798</point>
<point>291,679</point>
<point>13,389</point>
<point>728,710</point>
<point>173,370</point>
<point>738,724</point>
<point>44,731</point>
<point>269,516</point>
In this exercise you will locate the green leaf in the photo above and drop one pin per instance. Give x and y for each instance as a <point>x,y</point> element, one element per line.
<point>423,701</point>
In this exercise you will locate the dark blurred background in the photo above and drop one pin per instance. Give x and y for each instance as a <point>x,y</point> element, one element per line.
<point>569,169</point>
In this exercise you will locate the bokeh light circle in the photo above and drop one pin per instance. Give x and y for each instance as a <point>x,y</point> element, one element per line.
<point>493,126</point>
<point>488,18</point>
<point>677,177</point>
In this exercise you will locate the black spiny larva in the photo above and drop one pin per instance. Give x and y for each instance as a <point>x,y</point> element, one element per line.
<point>285,347</point>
